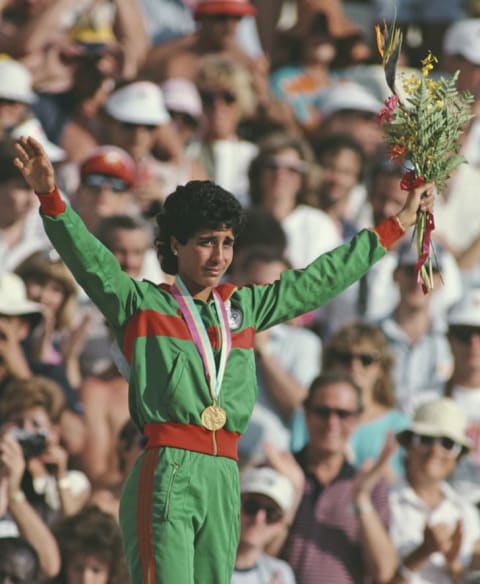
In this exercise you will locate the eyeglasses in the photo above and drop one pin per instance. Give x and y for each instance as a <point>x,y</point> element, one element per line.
<point>210,97</point>
<point>251,507</point>
<point>325,412</point>
<point>276,162</point>
<point>464,334</point>
<point>451,447</point>
<point>97,181</point>
<point>346,357</point>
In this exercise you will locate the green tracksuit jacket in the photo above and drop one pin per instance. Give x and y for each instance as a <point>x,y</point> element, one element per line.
<point>180,509</point>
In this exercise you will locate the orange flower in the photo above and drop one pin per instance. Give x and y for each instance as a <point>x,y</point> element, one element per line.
<point>396,151</point>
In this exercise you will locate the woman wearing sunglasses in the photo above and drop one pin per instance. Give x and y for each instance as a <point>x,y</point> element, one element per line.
<point>362,351</point>
<point>190,348</point>
<point>436,532</point>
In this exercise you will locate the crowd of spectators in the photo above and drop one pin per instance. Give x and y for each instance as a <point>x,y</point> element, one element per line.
<point>362,459</point>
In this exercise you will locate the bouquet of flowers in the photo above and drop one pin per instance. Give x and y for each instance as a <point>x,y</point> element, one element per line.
<point>423,120</point>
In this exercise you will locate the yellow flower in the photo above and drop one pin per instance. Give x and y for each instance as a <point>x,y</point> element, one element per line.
<point>428,64</point>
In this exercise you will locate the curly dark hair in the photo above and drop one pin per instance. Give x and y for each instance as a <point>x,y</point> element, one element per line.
<point>190,208</point>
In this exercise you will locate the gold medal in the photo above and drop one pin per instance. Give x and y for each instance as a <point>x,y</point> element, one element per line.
<point>213,418</point>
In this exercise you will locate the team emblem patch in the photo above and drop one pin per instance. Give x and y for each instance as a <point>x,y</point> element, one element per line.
<point>235,317</point>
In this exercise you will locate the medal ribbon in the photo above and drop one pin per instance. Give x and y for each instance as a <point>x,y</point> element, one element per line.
<point>199,334</point>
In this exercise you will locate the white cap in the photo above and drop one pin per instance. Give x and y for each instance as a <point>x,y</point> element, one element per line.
<point>463,38</point>
<point>440,417</point>
<point>267,481</point>
<point>33,127</point>
<point>181,95</point>
<point>140,102</point>
<point>349,95</point>
<point>466,312</point>
<point>13,297</point>
<point>15,82</point>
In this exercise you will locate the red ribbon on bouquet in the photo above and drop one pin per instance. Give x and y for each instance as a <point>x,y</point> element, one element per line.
<point>429,227</point>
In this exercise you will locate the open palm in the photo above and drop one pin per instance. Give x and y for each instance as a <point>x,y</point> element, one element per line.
<point>33,163</point>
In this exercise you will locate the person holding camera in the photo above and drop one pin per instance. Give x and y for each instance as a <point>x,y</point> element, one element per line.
<point>30,412</point>
<point>17,515</point>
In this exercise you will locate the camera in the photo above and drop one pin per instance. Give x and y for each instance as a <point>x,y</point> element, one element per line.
<point>32,443</point>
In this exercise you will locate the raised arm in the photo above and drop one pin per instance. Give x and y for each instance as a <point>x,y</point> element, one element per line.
<point>94,267</point>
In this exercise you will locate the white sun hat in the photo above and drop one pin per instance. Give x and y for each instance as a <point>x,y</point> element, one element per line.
<point>267,481</point>
<point>13,297</point>
<point>16,82</point>
<point>140,102</point>
<point>348,95</point>
<point>466,312</point>
<point>33,127</point>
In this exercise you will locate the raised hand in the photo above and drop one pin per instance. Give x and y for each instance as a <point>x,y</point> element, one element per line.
<point>419,199</point>
<point>33,163</point>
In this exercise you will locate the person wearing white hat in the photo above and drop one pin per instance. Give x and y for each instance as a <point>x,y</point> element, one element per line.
<point>16,93</point>
<point>266,499</point>
<point>435,530</point>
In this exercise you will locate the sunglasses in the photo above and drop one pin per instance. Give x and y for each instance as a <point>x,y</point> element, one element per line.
<point>275,163</point>
<point>346,357</point>
<point>324,412</point>
<point>451,447</point>
<point>210,97</point>
<point>184,118</point>
<point>225,17</point>
<point>464,334</point>
<point>251,507</point>
<point>97,181</point>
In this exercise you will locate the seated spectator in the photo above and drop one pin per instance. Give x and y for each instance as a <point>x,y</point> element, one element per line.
<point>129,445</point>
<point>287,360</point>
<point>20,223</point>
<point>18,518</point>
<point>227,94</point>
<point>18,562</point>
<point>281,177</point>
<point>59,339</point>
<point>341,192</point>
<point>436,532</point>
<point>340,530</point>
<point>418,341</point>
<point>34,407</point>
<point>361,351</point>
<point>304,79</point>
<point>90,547</point>
<point>107,179</point>
<point>266,500</point>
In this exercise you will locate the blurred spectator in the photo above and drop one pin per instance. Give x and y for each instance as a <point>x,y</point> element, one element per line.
<point>17,516</point>
<point>31,410</point>
<point>91,549</point>
<point>227,96</point>
<point>16,94</point>
<point>464,387</point>
<point>436,532</point>
<point>184,105</point>
<point>287,360</point>
<point>305,77</point>
<point>216,33</point>
<point>280,181</point>
<point>138,122</point>
<point>60,337</point>
<point>18,562</point>
<point>130,443</point>
<point>107,179</point>
<point>266,499</point>
<point>350,108</point>
<point>361,351</point>
<point>21,231</point>
<point>341,192</point>
<point>418,342</point>
<point>340,531</point>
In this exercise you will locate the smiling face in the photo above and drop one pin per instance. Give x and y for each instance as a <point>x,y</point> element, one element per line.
<point>204,259</point>
<point>329,432</point>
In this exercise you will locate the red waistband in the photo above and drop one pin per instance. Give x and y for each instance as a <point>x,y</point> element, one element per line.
<point>191,437</point>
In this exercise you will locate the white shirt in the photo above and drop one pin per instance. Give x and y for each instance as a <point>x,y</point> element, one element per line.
<point>408,520</point>
<point>310,232</point>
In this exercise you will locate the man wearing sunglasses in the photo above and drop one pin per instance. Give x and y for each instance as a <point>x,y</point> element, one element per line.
<point>267,498</point>
<point>106,179</point>
<point>340,531</point>
<point>435,530</point>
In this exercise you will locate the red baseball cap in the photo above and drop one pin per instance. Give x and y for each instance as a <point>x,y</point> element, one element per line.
<point>230,7</point>
<point>110,161</point>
